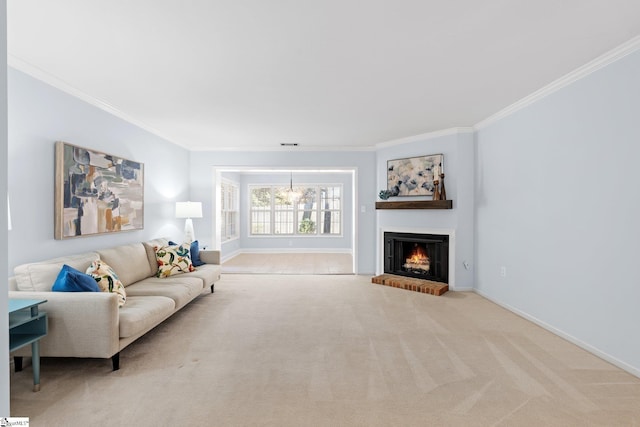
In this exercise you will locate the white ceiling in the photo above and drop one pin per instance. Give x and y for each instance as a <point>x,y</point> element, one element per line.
<point>249,74</point>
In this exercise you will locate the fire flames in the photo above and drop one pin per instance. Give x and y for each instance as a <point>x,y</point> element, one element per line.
<point>418,259</point>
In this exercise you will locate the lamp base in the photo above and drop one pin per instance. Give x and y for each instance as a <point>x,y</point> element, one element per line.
<point>189,233</point>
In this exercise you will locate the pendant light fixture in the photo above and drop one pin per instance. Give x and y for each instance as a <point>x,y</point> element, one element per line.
<point>292,194</point>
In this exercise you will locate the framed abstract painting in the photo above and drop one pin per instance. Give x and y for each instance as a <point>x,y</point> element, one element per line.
<point>413,176</point>
<point>96,193</point>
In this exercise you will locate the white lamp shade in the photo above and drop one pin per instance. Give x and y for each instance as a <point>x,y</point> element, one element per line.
<point>188,210</point>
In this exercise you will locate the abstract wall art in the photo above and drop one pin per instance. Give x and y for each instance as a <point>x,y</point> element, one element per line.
<point>413,176</point>
<point>96,193</point>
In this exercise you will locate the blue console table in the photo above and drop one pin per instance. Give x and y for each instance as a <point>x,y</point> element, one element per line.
<point>26,326</point>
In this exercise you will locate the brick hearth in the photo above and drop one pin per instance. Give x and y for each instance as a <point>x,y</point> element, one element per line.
<point>411,284</point>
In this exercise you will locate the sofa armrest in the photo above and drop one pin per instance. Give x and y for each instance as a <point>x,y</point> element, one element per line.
<point>210,256</point>
<point>80,324</point>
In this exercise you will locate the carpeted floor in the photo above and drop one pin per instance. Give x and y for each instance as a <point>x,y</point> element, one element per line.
<point>268,350</point>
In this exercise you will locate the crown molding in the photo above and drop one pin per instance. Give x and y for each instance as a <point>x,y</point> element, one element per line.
<point>425,136</point>
<point>39,74</point>
<point>575,75</point>
<point>343,148</point>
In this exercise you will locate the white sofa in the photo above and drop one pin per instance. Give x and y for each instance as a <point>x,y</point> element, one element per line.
<point>90,324</point>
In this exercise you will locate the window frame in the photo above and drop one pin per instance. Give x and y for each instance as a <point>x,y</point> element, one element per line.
<point>318,210</point>
<point>225,210</point>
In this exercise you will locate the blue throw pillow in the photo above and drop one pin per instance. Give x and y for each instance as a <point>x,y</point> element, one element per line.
<point>195,254</point>
<point>71,280</point>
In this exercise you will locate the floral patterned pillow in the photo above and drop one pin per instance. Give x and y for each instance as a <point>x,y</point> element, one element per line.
<point>107,279</point>
<point>173,259</point>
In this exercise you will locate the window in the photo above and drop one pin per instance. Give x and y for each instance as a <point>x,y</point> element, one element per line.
<point>316,212</point>
<point>229,210</point>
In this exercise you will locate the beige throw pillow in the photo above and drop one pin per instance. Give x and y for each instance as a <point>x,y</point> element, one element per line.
<point>173,260</point>
<point>107,279</point>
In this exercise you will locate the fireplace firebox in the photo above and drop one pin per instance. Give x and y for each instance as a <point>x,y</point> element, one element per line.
<point>423,256</point>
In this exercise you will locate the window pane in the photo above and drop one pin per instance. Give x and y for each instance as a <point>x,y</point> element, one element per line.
<point>282,199</point>
<point>261,198</point>
<point>261,222</point>
<point>229,210</point>
<point>330,222</point>
<point>306,222</point>
<point>283,222</point>
<point>307,200</point>
<point>330,197</point>
<point>307,211</point>
<point>231,224</point>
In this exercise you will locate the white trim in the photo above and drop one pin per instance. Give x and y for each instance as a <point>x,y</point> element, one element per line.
<point>21,65</point>
<point>443,231</point>
<point>355,218</point>
<point>425,136</point>
<point>311,148</point>
<point>38,73</point>
<point>231,240</point>
<point>216,223</point>
<point>225,258</point>
<point>591,349</point>
<point>575,75</point>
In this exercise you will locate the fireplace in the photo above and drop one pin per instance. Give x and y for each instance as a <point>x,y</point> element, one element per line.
<point>422,256</point>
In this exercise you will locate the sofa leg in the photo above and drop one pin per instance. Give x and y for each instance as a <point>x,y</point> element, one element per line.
<point>212,286</point>
<point>17,362</point>
<point>115,360</point>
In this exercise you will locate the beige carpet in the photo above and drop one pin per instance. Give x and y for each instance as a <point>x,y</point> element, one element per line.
<point>290,263</point>
<point>269,350</point>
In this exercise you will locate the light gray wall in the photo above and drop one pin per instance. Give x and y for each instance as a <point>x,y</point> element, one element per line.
<point>458,151</point>
<point>40,115</point>
<point>203,163</point>
<point>4,296</point>
<point>297,242</point>
<point>558,205</point>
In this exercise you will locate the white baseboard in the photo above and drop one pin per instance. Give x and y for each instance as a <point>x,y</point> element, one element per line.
<point>233,254</point>
<point>591,349</point>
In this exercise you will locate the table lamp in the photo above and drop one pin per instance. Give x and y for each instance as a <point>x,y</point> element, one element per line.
<point>189,210</point>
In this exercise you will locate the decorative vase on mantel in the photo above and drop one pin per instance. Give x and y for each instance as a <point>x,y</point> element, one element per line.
<point>384,194</point>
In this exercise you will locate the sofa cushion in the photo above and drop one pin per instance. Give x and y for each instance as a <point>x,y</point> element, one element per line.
<point>130,261</point>
<point>150,248</point>
<point>71,280</point>
<point>209,273</point>
<point>180,289</point>
<point>173,260</point>
<point>39,276</point>
<point>142,313</point>
<point>107,279</point>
